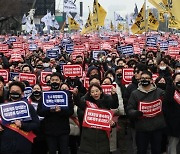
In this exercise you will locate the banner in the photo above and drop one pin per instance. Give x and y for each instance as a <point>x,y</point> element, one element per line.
<point>14,111</point>
<point>72,70</point>
<point>69,6</point>
<point>55,98</point>
<point>151,41</point>
<point>153,23</point>
<point>5,74</point>
<point>108,88</point>
<point>150,109</point>
<point>95,54</point>
<point>97,118</point>
<point>27,92</point>
<point>31,78</point>
<point>127,75</point>
<point>69,48</point>
<point>127,50</point>
<point>52,53</point>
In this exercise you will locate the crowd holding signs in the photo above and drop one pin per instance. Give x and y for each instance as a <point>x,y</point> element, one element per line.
<point>94,74</point>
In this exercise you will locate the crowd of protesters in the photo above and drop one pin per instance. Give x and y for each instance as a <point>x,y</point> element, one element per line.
<point>59,129</point>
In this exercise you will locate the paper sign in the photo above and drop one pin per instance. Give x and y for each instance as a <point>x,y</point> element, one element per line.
<point>53,98</point>
<point>127,50</point>
<point>4,74</point>
<point>127,75</point>
<point>72,70</point>
<point>14,111</point>
<point>107,88</point>
<point>27,92</point>
<point>43,76</point>
<point>95,54</point>
<point>97,118</point>
<point>151,41</point>
<point>69,48</point>
<point>52,53</point>
<point>31,78</point>
<point>32,47</point>
<point>150,109</point>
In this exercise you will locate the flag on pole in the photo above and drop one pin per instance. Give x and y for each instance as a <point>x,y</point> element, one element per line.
<point>153,23</point>
<point>73,25</point>
<point>95,12</point>
<point>89,24</point>
<point>69,6</point>
<point>101,15</point>
<point>139,26</point>
<point>112,26</point>
<point>120,26</point>
<point>174,8</point>
<point>160,4</point>
<point>161,16</point>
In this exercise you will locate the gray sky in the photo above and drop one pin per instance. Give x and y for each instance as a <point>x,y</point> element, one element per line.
<point>122,7</point>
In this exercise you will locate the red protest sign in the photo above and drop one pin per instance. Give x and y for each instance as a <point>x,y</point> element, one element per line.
<point>97,118</point>
<point>18,45</point>
<point>150,109</point>
<point>95,46</point>
<point>31,78</point>
<point>74,54</point>
<point>46,88</point>
<point>107,88</point>
<point>3,48</point>
<point>79,48</point>
<point>15,57</point>
<point>4,74</point>
<point>86,82</point>
<point>127,75</point>
<point>155,76</point>
<point>173,51</point>
<point>72,70</point>
<point>43,76</point>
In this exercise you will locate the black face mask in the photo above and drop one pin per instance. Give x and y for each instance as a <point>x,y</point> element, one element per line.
<point>36,93</point>
<point>54,86</point>
<point>39,66</point>
<point>15,96</point>
<point>178,84</point>
<point>145,83</point>
<point>119,76</point>
<point>162,86</point>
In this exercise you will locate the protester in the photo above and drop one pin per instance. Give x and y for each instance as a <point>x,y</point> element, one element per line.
<point>12,140</point>
<point>56,120</point>
<point>148,124</point>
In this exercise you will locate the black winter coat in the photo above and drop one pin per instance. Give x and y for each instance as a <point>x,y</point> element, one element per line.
<point>96,141</point>
<point>56,123</point>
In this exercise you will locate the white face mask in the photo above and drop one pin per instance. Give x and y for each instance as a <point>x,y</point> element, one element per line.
<point>46,64</point>
<point>108,59</point>
<point>162,67</point>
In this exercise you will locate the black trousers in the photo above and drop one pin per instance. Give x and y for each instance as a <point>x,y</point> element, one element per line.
<point>58,143</point>
<point>144,138</point>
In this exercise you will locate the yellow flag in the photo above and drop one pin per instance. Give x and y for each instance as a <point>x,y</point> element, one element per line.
<point>173,23</point>
<point>174,7</point>
<point>120,26</point>
<point>139,26</point>
<point>95,12</point>
<point>89,24</point>
<point>153,23</point>
<point>73,25</point>
<point>101,15</point>
<point>112,26</point>
<point>161,5</point>
<point>161,16</point>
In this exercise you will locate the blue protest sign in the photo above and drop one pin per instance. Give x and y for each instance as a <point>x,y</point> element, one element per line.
<point>172,43</point>
<point>127,50</point>
<point>53,98</point>
<point>32,47</point>
<point>13,75</point>
<point>52,53</point>
<point>95,54</point>
<point>14,111</point>
<point>27,92</point>
<point>69,48</point>
<point>151,41</point>
<point>164,45</point>
<point>12,39</point>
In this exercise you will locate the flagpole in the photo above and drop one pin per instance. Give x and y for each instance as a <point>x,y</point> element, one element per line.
<point>145,16</point>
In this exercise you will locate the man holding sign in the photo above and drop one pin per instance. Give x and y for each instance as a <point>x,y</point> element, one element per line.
<point>56,108</point>
<point>18,119</point>
<point>145,108</point>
